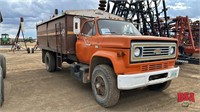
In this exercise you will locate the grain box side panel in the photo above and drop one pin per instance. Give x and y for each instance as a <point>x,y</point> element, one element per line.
<point>42,36</point>
<point>71,37</point>
<point>60,33</point>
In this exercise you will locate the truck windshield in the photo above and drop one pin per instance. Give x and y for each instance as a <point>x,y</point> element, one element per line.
<point>110,27</point>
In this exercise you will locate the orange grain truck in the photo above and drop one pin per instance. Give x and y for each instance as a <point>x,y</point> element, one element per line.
<point>108,52</point>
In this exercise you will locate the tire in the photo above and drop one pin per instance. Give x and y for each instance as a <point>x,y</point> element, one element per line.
<point>3,65</point>
<point>104,86</point>
<point>159,87</point>
<point>32,50</point>
<point>50,62</point>
<point>28,50</point>
<point>1,87</point>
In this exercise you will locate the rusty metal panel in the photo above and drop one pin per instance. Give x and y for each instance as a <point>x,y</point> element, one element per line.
<point>70,23</point>
<point>71,44</point>
<point>52,32</point>
<point>42,35</point>
<point>71,37</point>
<point>46,34</point>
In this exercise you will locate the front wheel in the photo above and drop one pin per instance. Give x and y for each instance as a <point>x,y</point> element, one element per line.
<point>104,86</point>
<point>159,87</point>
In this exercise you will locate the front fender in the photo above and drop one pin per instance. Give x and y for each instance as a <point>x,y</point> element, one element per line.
<point>117,62</point>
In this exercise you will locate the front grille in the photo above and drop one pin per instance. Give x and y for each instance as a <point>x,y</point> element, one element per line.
<point>152,51</point>
<point>155,51</point>
<point>151,67</point>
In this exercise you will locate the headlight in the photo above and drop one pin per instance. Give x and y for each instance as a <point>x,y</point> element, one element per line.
<point>171,50</point>
<point>137,51</point>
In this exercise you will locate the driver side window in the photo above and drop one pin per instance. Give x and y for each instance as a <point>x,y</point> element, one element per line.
<point>89,28</point>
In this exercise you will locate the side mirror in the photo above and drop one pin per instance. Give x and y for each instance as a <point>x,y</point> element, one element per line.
<point>76,25</point>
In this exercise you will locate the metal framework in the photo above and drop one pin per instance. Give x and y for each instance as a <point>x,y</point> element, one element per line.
<point>184,32</point>
<point>143,13</point>
<point>15,44</point>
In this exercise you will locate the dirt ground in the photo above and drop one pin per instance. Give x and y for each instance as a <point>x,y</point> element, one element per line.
<point>29,87</point>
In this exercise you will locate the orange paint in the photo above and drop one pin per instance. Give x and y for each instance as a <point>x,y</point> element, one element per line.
<point>108,46</point>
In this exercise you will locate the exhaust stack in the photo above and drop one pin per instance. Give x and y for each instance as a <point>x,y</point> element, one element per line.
<point>55,13</point>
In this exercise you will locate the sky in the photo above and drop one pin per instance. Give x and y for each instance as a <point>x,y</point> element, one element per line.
<point>34,11</point>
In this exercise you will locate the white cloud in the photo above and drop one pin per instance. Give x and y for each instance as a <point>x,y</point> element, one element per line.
<point>196,18</point>
<point>179,6</point>
<point>35,11</point>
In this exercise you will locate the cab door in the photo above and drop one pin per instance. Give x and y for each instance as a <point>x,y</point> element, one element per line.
<point>87,42</point>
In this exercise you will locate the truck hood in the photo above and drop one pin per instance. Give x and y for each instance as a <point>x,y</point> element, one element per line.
<point>124,41</point>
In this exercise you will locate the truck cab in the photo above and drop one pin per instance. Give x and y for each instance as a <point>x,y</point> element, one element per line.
<point>112,55</point>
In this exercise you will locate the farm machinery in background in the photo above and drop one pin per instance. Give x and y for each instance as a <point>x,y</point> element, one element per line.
<point>4,37</point>
<point>16,43</point>
<point>187,33</point>
<point>150,17</point>
<point>5,40</point>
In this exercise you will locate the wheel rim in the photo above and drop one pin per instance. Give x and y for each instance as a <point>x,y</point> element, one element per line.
<point>99,85</point>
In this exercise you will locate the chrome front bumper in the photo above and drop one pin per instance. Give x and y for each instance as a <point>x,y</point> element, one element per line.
<point>132,81</point>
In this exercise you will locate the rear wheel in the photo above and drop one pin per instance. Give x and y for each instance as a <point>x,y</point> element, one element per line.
<point>104,86</point>
<point>159,87</point>
<point>50,62</point>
